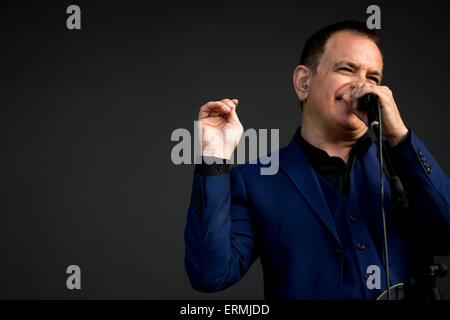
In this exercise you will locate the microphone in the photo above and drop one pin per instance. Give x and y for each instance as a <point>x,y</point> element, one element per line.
<point>370,102</point>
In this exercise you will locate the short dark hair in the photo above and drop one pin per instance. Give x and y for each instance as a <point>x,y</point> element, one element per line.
<point>315,45</point>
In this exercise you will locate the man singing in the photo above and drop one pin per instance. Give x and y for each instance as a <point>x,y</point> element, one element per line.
<point>316,224</point>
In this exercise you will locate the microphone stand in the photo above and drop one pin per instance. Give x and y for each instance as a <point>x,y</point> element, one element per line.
<point>371,102</point>
<point>424,285</point>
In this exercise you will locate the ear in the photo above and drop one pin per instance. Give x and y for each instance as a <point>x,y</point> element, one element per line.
<point>302,79</point>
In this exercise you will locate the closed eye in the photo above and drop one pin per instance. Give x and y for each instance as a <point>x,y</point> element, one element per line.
<point>374,79</point>
<point>346,69</point>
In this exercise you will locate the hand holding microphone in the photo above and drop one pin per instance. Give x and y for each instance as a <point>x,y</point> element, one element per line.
<point>365,100</point>
<point>370,102</point>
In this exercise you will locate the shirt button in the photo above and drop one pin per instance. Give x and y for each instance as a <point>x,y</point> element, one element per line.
<point>353,218</point>
<point>361,246</point>
<point>336,253</point>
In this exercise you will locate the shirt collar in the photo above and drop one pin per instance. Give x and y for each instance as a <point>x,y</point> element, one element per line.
<point>317,155</point>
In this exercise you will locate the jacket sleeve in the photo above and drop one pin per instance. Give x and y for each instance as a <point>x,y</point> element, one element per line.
<point>220,242</point>
<point>428,190</point>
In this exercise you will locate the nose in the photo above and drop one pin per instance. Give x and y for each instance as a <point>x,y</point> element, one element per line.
<point>360,78</point>
<point>357,82</point>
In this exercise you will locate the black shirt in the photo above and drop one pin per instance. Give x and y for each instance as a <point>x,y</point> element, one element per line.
<point>334,169</point>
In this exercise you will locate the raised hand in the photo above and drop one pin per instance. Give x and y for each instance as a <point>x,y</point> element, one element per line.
<point>220,127</point>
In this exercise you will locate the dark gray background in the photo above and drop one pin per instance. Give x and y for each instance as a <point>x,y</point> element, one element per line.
<point>86,118</point>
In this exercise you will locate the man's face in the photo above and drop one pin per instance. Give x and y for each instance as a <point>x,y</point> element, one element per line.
<point>349,58</point>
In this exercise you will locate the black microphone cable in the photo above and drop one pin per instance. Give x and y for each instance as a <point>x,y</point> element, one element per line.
<point>383,215</point>
<point>375,123</point>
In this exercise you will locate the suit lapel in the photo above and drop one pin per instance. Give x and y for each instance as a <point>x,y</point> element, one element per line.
<point>295,164</point>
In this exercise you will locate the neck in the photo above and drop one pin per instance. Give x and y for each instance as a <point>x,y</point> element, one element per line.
<point>333,143</point>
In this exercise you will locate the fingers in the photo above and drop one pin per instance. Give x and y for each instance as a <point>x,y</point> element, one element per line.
<point>356,90</point>
<point>233,118</point>
<point>216,108</point>
<point>361,90</point>
<point>365,88</point>
<point>230,103</point>
<point>355,95</point>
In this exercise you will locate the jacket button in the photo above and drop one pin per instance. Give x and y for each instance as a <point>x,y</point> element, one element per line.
<point>426,164</point>
<point>422,158</point>
<point>336,253</point>
<point>429,170</point>
<point>198,199</point>
<point>361,246</point>
<point>353,218</point>
<point>420,152</point>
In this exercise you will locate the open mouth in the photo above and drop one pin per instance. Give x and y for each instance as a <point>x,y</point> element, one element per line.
<point>339,98</point>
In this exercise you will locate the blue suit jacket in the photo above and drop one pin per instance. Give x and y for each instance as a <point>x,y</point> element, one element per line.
<point>284,219</point>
